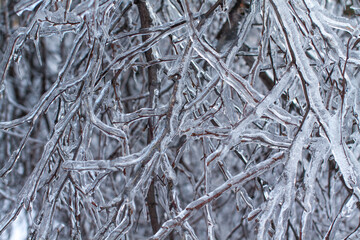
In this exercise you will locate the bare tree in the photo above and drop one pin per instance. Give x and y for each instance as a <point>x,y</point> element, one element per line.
<point>180,119</point>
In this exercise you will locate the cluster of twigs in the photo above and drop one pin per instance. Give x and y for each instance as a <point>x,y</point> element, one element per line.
<point>180,119</point>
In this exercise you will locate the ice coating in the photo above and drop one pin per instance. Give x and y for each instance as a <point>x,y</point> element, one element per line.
<point>184,119</point>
